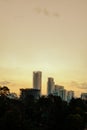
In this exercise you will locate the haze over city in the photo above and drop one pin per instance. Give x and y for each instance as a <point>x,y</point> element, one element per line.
<point>49,36</point>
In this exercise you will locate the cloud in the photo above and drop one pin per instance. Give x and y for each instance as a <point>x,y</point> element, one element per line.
<point>4,82</point>
<point>38,10</point>
<point>56,14</point>
<point>10,83</point>
<point>74,83</point>
<point>82,85</point>
<point>46,12</point>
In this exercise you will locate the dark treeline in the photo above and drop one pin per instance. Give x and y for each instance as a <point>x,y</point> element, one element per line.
<point>46,113</point>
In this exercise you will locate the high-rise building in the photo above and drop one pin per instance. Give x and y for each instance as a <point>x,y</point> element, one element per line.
<point>63,94</point>
<point>84,96</point>
<point>58,87</point>
<point>50,86</point>
<point>57,90</point>
<point>60,91</point>
<point>70,95</point>
<point>37,80</point>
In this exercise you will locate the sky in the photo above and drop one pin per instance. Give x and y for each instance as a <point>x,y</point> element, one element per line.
<point>45,35</point>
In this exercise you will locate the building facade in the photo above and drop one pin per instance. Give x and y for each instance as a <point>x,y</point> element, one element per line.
<point>27,93</point>
<point>70,95</point>
<point>37,80</point>
<point>84,96</point>
<point>60,91</point>
<point>50,86</point>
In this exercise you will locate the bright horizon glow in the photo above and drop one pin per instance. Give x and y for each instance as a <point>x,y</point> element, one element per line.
<point>49,36</point>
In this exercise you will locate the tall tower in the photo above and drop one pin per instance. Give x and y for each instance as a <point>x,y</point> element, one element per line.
<point>70,95</point>
<point>50,86</point>
<point>37,80</point>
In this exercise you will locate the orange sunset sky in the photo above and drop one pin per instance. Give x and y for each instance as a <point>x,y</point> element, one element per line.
<point>45,35</point>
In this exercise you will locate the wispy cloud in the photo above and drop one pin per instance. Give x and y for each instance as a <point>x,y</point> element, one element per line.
<point>5,82</point>
<point>38,10</point>
<point>46,12</point>
<point>82,85</point>
<point>55,14</point>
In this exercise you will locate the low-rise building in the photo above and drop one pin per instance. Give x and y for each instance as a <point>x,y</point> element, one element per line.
<point>25,93</point>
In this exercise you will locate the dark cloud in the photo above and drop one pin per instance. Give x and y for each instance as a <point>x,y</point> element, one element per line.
<point>56,14</point>
<point>46,12</point>
<point>82,85</point>
<point>38,10</point>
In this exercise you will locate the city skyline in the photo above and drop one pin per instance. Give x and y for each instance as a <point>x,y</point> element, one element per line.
<point>37,84</point>
<point>43,35</point>
<point>52,89</point>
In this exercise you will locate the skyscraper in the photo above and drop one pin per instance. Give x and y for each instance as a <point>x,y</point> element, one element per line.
<point>37,80</point>
<point>84,96</point>
<point>60,91</point>
<point>50,85</point>
<point>70,95</point>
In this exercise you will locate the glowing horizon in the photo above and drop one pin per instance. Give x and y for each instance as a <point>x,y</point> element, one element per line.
<point>50,36</point>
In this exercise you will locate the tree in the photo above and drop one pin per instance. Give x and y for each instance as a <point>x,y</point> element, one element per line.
<point>74,122</point>
<point>4,90</point>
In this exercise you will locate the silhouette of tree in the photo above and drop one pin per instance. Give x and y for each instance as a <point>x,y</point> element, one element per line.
<point>74,122</point>
<point>4,90</point>
<point>46,113</point>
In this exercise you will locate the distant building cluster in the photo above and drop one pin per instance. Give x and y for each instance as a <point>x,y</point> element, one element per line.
<point>53,89</point>
<point>59,90</point>
<point>35,92</point>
